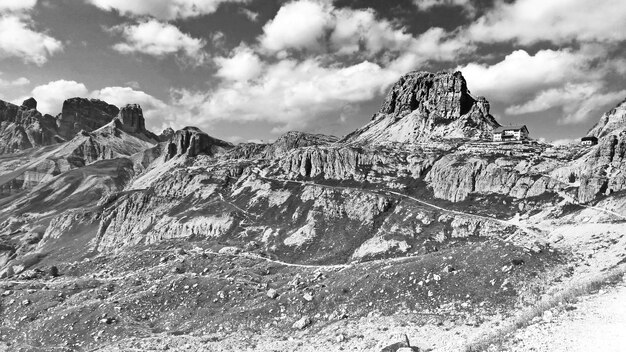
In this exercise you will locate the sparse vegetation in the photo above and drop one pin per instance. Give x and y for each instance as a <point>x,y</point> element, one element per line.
<point>568,294</point>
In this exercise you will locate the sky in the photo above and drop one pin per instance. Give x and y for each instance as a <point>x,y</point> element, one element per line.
<point>251,70</point>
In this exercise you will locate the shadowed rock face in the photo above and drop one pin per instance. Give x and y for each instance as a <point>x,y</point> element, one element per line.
<point>23,127</point>
<point>30,103</point>
<point>84,114</point>
<point>132,119</point>
<point>423,106</point>
<point>191,141</point>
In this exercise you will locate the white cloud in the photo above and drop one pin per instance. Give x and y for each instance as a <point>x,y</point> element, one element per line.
<point>242,65</point>
<point>353,29</point>
<point>297,25</point>
<point>552,97</point>
<point>21,81</point>
<point>433,45</point>
<point>162,9</point>
<point>519,73</point>
<point>578,102</point>
<point>289,94</point>
<point>18,39</point>
<point>565,80</point>
<point>557,21</point>
<point>159,39</point>
<point>17,5</point>
<point>50,96</point>
<point>154,110</point>
<point>321,28</point>
<point>252,16</point>
<point>428,4</point>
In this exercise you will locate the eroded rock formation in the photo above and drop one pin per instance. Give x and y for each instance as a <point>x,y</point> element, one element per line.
<point>424,106</point>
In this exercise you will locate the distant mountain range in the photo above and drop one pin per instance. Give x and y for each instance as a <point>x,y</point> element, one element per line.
<point>306,198</point>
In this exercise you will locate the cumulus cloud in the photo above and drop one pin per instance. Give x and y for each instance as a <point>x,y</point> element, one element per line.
<point>162,9</point>
<point>290,94</point>
<point>19,39</point>
<point>320,28</point>
<point>433,45</point>
<point>154,110</point>
<point>297,25</point>
<point>50,96</point>
<point>244,64</point>
<point>17,5</point>
<point>21,81</point>
<point>578,102</point>
<point>520,73</point>
<point>560,22</point>
<point>566,80</point>
<point>428,4</point>
<point>354,30</point>
<point>159,39</point>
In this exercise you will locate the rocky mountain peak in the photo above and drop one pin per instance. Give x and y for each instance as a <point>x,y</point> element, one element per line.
<point>443,92</point>
<point>612,121</point>
<point>191,142</point>
<point>423,106</point>
<point>84,114</point>
<point>30,103</point>
<point>132,119</point>
<point>167,134</point>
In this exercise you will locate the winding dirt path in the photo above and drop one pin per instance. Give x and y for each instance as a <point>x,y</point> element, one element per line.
<point>389,192</point>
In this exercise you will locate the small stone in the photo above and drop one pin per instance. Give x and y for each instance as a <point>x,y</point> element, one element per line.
<point>547,316</point>
<point>272,293</point>
<point>308,297</point>
<point>302,323</point>
<point>25,302</point>
<point>53,271</point>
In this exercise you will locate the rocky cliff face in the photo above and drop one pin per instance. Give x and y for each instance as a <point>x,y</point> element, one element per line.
<point>191,142</point>
<point>424,106</point>
<point>612,121</point>
<point>84,114</point>
<point>294,140</point>
<point>23,127</point>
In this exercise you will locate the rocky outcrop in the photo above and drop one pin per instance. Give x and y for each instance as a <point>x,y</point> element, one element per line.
<point>294,140</point>
<point>167,134</point>
<point>84,114</point>
<point>191,142</point>
<point>23,127</point>
<point>455,177</point>
<point>424,106</point>
<point>602,170</point>
<point>132,119</point>
<point>612,121</point>
<point>30,104</point>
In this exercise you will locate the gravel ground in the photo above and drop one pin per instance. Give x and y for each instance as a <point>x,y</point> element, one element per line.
<point>597,324</point>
